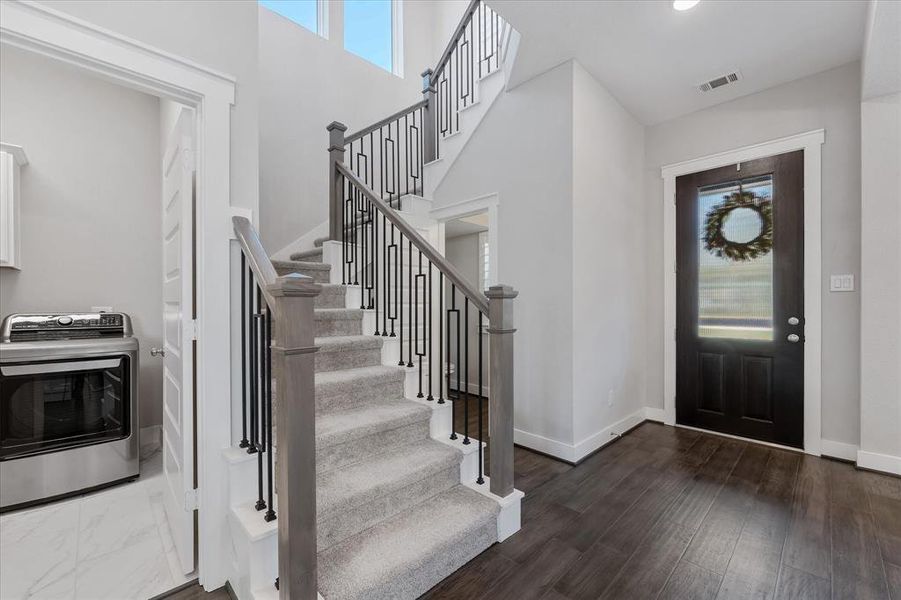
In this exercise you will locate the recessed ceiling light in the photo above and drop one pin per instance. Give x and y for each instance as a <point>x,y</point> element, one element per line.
<point>684,4</point>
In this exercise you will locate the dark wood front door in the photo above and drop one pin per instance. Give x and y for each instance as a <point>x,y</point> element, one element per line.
<point>740,299</point>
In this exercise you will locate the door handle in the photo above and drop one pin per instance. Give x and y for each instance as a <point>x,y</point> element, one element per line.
<point>794,338</point>
<point>157,352</point>
<point>794,321</point>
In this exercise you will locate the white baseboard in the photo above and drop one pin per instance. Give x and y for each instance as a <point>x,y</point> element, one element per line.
<point>539,443</point>
<point>839,450</point>
<point>885,463</point>
<point>655,414</point>
<point>575,452</point>
<point>606,435</point>
<point>150,439</point>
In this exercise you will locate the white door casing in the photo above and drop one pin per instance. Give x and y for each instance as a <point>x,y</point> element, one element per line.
<point>811,142</point>
<point>178,337</point>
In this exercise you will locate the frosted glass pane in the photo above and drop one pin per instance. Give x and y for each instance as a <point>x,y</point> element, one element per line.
<point>735,296</point>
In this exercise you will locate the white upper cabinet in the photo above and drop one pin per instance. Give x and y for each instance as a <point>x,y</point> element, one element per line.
<point>12,159</point>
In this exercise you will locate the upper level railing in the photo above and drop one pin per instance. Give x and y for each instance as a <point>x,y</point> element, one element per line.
<point>277,351</point>
<point>474,50</point>
<point>390,155</point>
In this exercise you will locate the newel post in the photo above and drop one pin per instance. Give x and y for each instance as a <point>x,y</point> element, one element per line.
<point>430,120</point>
<point>335,155</point>
<point>292,363</point>
<point>500,407</point>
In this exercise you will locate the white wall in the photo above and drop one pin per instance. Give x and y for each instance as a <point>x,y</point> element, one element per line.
<point>880,282</point>
<point>608,264</point>
<point>306,82</point>
<point>526,160</point>
<point>91,214</point>
<point>220,34</point>
<point>828,100</point>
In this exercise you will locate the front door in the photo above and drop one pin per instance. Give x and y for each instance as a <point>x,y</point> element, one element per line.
<point>740,297</point>
<point>178,338</point>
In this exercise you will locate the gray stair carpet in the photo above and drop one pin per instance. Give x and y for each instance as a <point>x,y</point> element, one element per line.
<point>393,519</point>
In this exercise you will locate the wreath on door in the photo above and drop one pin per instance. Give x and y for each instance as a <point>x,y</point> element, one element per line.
<point>715,240</point>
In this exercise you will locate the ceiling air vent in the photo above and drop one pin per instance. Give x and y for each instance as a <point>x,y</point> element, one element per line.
<point>720,81</point>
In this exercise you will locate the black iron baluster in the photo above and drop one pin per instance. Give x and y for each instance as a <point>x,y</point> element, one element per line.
<point>420,354</point>
<point>409,303</point>
<point>375,263</point>
<point>465,392</point>
<point>392,249</point>
<point>480,480</point>
<point>252,448</point>
<point>441,365</point>
<point>261,439</point>
<point>385,267</point>
<point>244,443</point>
<point>399,276</point>
<point>270,514</point>
<point>453,310</point>
<point>431,358</point>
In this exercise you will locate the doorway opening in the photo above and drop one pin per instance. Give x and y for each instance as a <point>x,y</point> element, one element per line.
<point>468,247</point>
<point>740,297</point>
<point>96,263</point>
<point>811,143</point>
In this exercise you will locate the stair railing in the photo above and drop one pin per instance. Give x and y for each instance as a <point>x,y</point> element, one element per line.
<point>390,155</point>
<point>402,279</point>
<point>277,346</point>
<point>473,51</point>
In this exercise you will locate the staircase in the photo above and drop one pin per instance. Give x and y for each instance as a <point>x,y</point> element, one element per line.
<point>398,496</point>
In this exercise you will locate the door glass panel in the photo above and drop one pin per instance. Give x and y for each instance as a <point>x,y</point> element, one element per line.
<point>43,411</point>
<point>735,265</point>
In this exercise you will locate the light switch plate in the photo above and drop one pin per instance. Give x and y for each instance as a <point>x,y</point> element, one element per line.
<point>841,283</point>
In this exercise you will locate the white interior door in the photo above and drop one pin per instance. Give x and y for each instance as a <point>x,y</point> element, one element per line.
<point>178,337</point>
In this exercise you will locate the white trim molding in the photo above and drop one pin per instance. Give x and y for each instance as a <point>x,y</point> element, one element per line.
<point>573,453</point>
<point>885,463</point>
<point>57,35</point>
<point>489,203</point>
<point>840,450</point>
<point>811,143</point>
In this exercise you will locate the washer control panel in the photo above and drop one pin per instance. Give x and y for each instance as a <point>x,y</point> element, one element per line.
<point>56,326</point>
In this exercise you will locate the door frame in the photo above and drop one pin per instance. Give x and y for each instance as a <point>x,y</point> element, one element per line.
<point>811,142</point>
<point>133,64</point>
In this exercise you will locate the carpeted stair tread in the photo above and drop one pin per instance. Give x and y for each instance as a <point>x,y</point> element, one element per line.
<point>301,264</point>
<point>337,314</point>
<point>314,255</point>
<point>340,352</point>
<point>405,555</point>
<point>341,343</point>
<point>362,375</point>
<point>346,425</point>
<point>356,485</point>
<point>319,241</point>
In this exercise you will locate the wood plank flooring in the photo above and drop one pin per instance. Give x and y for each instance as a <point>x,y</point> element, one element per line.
<point>672,513</point>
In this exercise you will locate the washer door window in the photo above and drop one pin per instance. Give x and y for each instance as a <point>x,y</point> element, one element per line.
<point>53,405</point>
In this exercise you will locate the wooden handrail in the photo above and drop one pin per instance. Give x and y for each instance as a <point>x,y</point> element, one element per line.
<point>390,119</point>
<point>256,255</point>
<point>477,298</point>
<point>461,26</point>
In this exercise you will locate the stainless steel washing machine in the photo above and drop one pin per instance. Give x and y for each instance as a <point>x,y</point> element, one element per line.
<point>68,405</point>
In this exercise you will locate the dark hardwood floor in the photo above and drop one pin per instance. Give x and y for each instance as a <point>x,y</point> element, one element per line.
<point>673,513</point>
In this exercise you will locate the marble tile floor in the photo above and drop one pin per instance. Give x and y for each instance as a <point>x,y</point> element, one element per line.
<point>111,544</point>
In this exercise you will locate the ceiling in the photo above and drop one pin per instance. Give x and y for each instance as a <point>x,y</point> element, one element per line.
<point>652,58</point>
